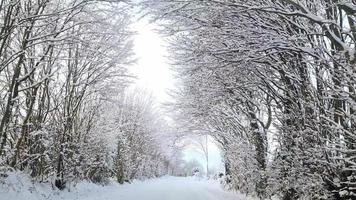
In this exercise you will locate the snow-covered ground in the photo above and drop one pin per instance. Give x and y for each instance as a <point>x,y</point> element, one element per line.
<point>166,188</point>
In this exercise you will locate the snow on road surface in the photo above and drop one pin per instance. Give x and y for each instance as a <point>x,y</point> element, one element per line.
<point>173,188</point>
<point>166,188</point>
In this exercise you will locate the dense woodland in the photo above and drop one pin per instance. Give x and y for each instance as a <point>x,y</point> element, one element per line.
<point>272,81</point>
<point>66,111</point>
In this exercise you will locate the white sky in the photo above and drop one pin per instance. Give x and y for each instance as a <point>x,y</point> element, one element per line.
<point>152,67</point>
<point>154,74</point>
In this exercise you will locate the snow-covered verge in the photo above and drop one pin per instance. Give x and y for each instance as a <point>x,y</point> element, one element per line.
<point>18,186</point>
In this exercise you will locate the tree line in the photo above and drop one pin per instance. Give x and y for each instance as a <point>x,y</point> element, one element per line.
<point>66,113</point>
<point>273,81</point>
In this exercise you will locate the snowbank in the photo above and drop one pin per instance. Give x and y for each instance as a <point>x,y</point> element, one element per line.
<point>18,186</point>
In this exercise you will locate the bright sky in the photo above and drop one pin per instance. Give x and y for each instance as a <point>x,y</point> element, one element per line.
<point>154,74</point>
<point>152,68</point>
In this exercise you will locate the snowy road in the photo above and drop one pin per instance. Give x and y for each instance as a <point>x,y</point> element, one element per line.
<point>166,188</point>
<point>172,188</point>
